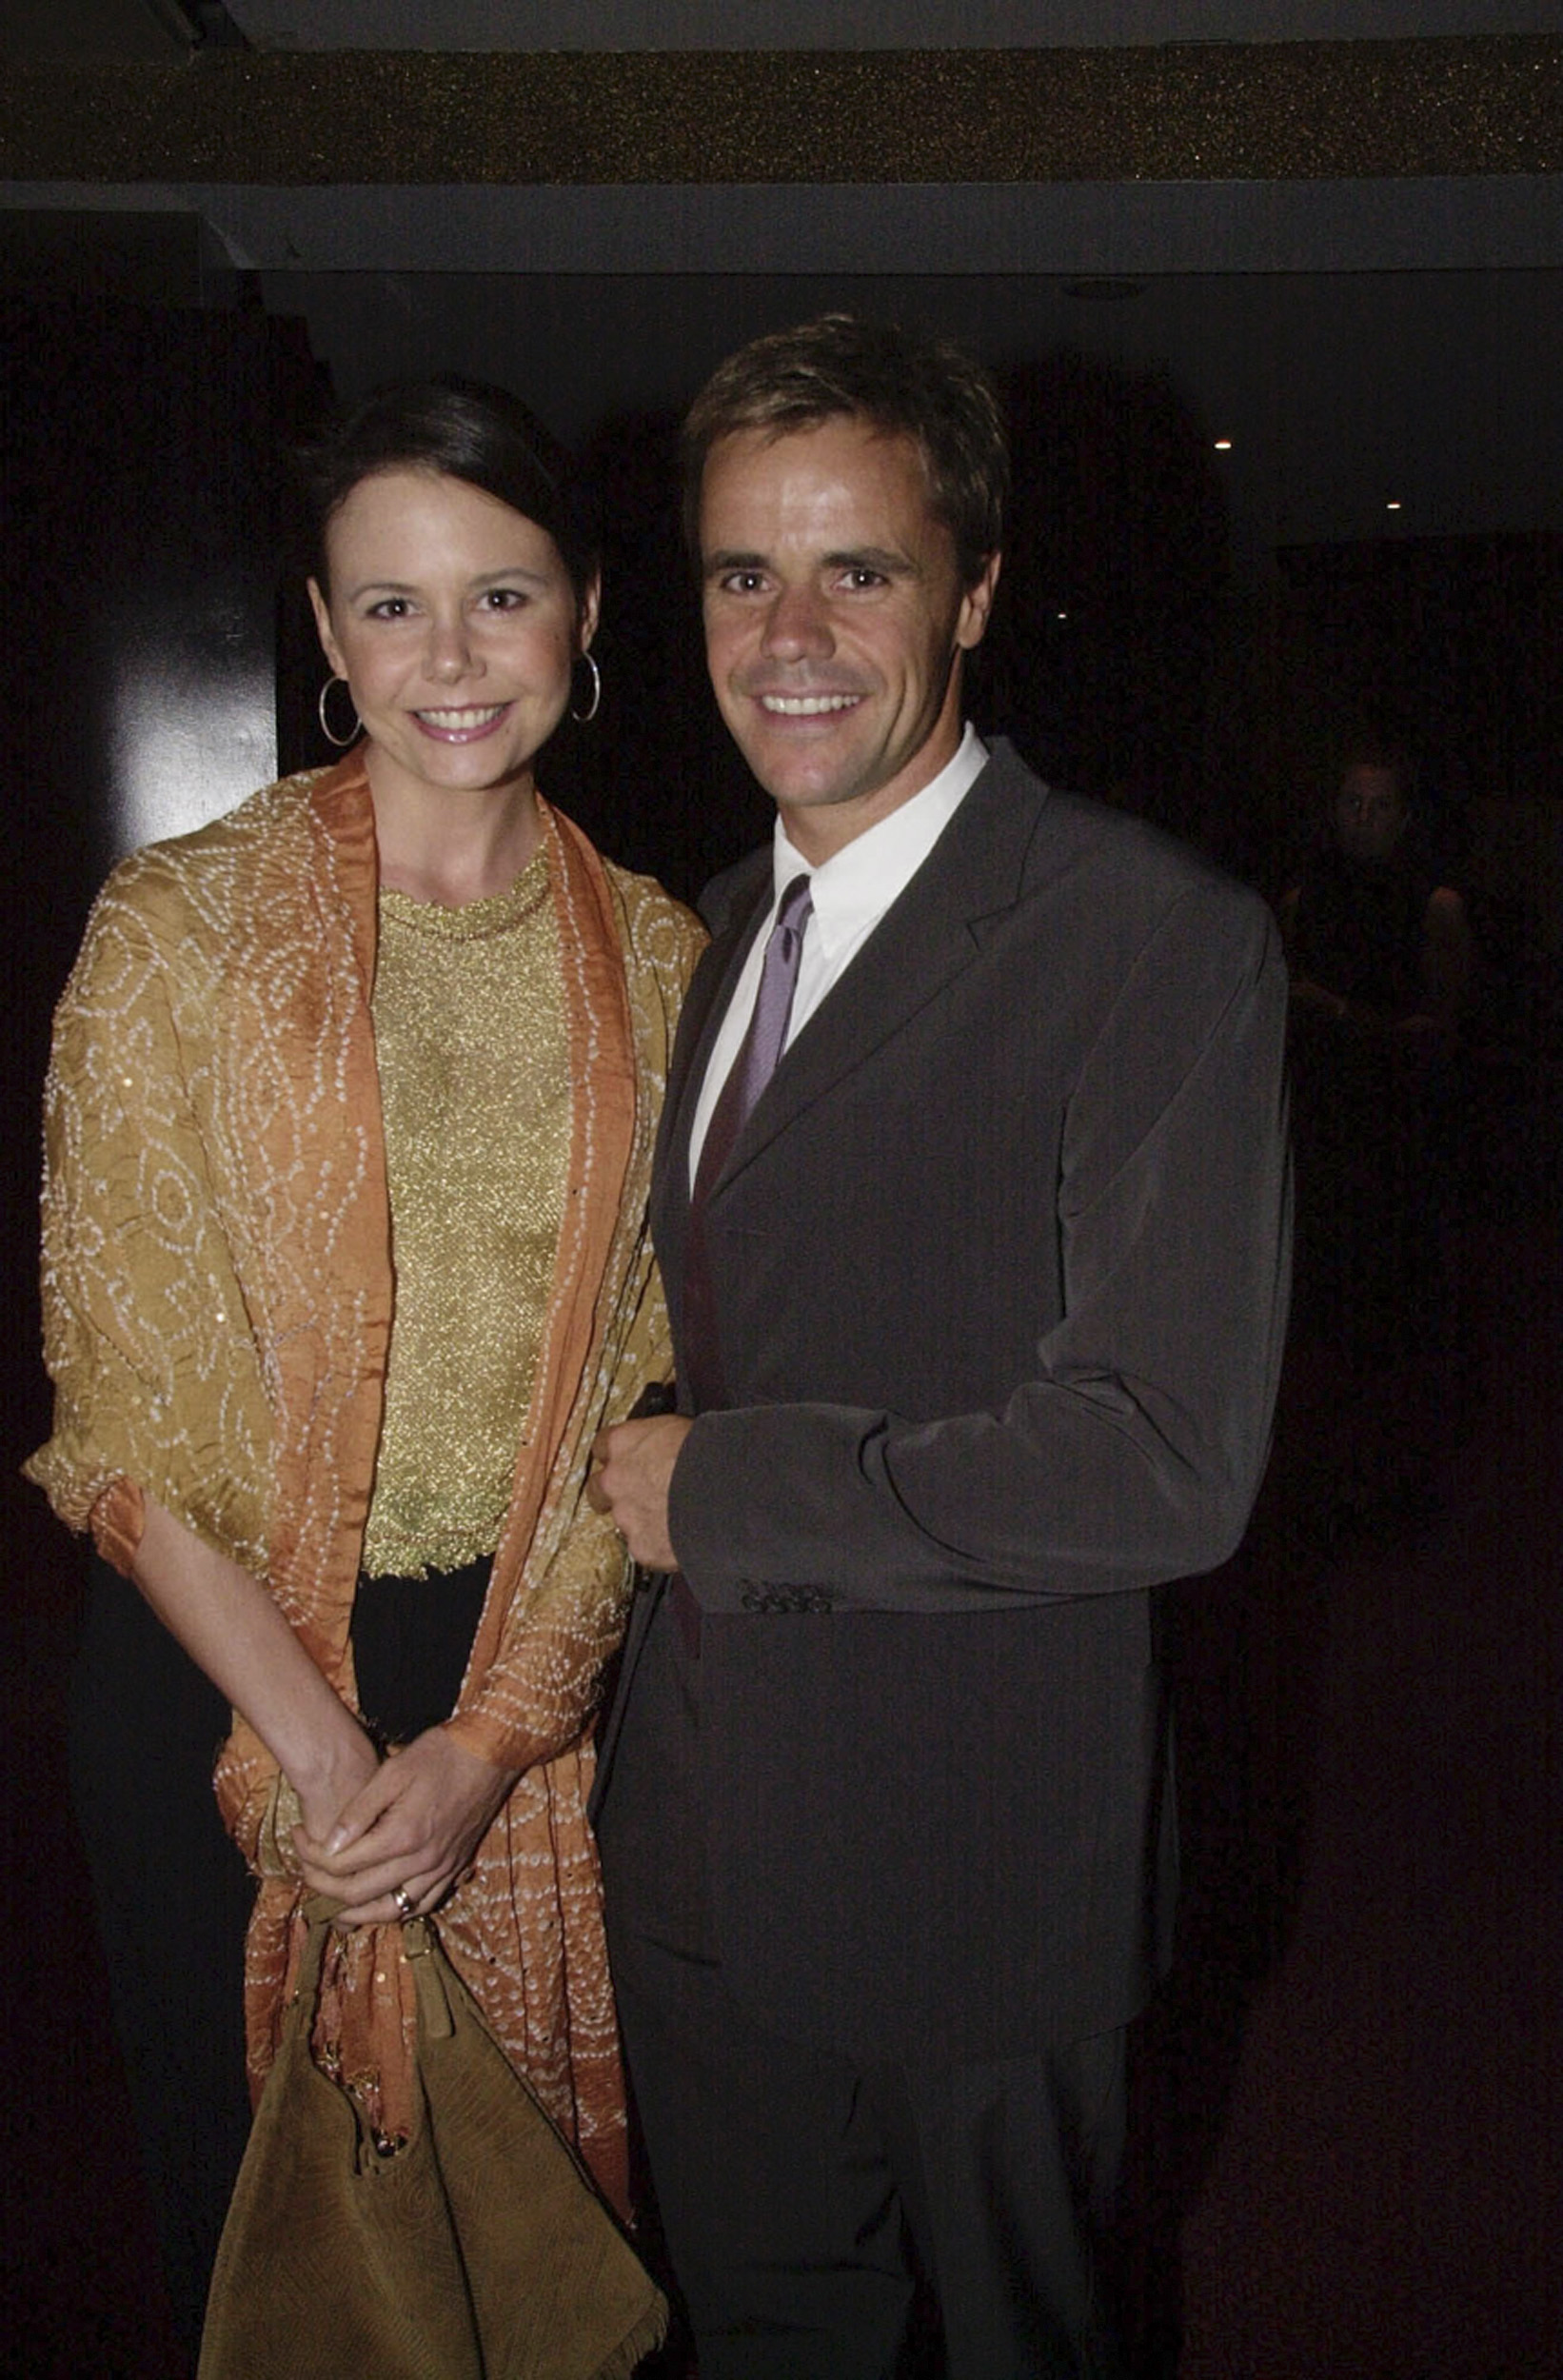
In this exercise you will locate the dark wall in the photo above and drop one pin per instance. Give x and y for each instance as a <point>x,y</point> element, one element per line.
<point>139,586</point>
<point>1451,646</point>
<point>140,562</point>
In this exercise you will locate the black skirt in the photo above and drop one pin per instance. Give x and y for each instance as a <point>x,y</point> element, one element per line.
<point>173,1895</point>
<point>412,1641</point>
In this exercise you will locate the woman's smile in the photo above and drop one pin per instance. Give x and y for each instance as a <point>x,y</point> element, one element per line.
<point>461,727</point>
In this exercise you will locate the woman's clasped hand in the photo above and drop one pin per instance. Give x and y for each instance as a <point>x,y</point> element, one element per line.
<point>411,1829</point>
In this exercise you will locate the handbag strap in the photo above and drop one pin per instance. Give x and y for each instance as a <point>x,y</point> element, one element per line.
<point>436,2020</point>
<point>419,1941</point>
<point>317,1910</point>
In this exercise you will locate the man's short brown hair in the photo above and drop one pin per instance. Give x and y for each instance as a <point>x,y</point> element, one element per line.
<point>902,382</point>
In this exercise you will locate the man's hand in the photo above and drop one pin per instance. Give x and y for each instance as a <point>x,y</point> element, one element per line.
<point>633,1468</point>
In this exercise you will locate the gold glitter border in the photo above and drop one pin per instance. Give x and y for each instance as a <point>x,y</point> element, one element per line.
<point>1197,111</point>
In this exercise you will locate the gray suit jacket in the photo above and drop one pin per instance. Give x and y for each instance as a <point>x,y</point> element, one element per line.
<point>1000,1263</point>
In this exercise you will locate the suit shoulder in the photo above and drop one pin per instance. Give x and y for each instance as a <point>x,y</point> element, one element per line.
<point>1132,866</point>
<point>728,895</point>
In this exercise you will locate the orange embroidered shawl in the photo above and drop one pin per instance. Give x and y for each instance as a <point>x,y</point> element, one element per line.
<point>218,1296</point>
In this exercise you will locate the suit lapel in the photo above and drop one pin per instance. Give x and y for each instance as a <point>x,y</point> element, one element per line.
<point>704,1006</point>
<point>930,934</point>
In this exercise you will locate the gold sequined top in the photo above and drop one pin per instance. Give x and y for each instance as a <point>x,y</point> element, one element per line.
<point>474,1082</point>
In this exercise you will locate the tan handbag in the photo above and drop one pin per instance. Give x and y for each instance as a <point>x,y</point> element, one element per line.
<point>479,2251</point>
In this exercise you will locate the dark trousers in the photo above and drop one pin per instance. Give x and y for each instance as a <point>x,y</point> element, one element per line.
<point>173,1899</point>
<point>801,2191</point>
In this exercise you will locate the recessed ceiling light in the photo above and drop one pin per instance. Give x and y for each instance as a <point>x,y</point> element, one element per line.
<point>1063,615</point>
<point>1223,446</point>
<point>1394,505</point>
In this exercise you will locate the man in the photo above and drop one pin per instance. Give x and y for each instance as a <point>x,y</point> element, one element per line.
<point>978,1312</point>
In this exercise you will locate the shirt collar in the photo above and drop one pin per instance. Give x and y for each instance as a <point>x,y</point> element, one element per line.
<point>855,885</point>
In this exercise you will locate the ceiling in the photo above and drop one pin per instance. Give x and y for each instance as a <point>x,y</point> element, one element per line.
<point>826,25</point>
<point>159,27</point>
<point>1362,343</point>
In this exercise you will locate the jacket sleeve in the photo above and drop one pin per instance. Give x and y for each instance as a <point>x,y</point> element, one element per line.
<point>1133,1452</point>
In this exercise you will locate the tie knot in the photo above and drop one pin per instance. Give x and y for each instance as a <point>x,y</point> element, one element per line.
<point>795,906</point>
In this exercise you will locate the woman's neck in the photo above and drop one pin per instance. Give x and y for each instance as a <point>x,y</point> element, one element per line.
<point>451,845</point>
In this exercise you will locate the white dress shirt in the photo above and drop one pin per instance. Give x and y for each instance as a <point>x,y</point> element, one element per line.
<point>851,892</point>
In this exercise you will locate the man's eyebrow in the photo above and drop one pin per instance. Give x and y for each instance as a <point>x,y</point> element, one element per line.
<point>886,561</point>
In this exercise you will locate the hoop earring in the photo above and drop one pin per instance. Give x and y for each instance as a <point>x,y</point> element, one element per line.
<point>325,728</point>
<point>595,705</point>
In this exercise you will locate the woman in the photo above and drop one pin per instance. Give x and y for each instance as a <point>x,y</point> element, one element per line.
<point>350,1123</point>
<point>1380,957</point>
<point>1372,938</point>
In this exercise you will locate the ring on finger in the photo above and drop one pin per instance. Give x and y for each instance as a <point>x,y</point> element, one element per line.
<point>404,1902</point>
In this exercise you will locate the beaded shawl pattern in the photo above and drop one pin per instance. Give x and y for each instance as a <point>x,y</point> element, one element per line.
<point>218,1296</point>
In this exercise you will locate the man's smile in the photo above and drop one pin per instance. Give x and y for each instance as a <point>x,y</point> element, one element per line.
<point>807,705</point>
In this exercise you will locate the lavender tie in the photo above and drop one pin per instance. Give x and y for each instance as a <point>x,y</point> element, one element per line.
<point>765,1039</point>
<point>752,1069</point>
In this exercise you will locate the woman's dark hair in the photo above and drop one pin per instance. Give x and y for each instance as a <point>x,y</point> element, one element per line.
<point>465,430</point>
